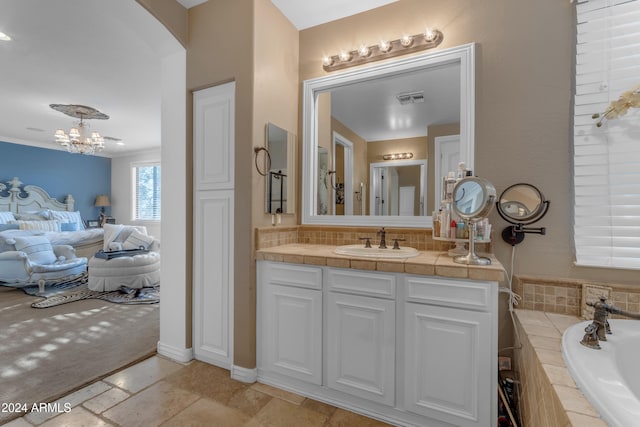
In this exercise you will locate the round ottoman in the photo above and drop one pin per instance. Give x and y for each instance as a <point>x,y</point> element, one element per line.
<point>136,272</point>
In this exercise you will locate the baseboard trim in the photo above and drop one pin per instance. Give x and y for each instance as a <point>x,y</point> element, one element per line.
<point>178,354</point>
<point>244,375</point>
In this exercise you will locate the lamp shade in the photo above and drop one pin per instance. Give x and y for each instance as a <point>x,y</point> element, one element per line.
<point>102,200</point>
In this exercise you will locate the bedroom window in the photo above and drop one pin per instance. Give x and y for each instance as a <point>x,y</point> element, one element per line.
<point>606,156</point>
<point>146,194</point>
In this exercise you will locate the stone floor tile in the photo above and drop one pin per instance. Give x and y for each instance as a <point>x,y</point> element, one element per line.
<point>279,393</point>
<point>151,406</point>
<point>143,374</point>
<point>249,401</point>
<point>207,381</point>
<point>342,418</point>
<point>320,407</point>
<point>207,413</point>
<point>77,417</point>
<point>106,400</point>
<point>279,413</point>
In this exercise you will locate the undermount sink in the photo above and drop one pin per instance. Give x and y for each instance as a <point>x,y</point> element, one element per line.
<point>361,251</point>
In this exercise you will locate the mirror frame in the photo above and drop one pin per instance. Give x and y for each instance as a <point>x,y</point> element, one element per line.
<point>464,54</point>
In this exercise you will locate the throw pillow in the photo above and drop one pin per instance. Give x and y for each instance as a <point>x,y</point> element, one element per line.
<point>136,240</point>
<point>4,227</point>
<point>45,225</point>
<point>64,216</point>
<point>69,226</point>
<point>111,232</point>
<point>37,248</point>
<point>5,217</point>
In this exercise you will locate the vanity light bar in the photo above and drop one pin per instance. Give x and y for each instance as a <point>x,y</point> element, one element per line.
<point>383,50</point>
<point>397,156</point>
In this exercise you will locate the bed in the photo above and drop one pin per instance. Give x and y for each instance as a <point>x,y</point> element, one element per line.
<point>36,213</point>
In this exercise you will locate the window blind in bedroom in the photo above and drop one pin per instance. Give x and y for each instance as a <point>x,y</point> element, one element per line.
<point>147,192</point>
<point>606,158</point>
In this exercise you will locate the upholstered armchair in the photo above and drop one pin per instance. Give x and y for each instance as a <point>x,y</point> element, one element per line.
<point>35,260</point>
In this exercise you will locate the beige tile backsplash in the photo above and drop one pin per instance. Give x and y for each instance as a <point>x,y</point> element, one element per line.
<point>419,238</point>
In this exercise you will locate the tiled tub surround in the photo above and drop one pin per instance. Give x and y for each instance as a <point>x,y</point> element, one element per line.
<point>548,395</point>
<point>566,296</point>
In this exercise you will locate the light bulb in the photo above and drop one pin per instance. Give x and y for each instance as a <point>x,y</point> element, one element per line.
<point>406,41</point>
<point>384,46</point>
<point>430,35</point>
<point>327,61</point>
<point>364,51</point>
<point>345,56</point>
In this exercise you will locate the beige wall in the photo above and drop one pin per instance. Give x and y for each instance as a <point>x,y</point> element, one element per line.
<point>220,49</point>
<point>524,78</point>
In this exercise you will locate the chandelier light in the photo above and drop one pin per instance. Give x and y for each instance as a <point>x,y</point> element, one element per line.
<point>80,139</point>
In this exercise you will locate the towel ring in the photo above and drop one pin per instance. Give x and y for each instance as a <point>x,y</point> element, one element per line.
<point>267,157</point>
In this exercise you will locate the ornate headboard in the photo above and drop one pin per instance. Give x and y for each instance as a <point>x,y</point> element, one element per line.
<point>17,199</point>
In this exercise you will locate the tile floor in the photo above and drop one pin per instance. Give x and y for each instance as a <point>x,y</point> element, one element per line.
<point>160,392</point>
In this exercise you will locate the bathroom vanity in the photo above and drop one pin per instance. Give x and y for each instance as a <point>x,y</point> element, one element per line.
<point>409,341</point>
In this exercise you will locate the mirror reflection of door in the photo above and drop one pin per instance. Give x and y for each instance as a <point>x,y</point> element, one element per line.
<point>343,162</point>
<point>398,187</point>
<point>447,157</point>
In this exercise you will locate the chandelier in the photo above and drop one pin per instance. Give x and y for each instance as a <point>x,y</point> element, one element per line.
<point>80,139</point>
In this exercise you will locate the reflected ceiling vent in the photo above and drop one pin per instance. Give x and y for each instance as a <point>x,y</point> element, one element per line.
<point>410,98</point>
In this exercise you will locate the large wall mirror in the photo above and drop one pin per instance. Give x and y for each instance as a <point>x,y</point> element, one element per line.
<point>366,138</point>
<point>280,178</point>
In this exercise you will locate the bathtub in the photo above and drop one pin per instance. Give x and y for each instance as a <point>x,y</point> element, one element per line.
<point>610,377</point>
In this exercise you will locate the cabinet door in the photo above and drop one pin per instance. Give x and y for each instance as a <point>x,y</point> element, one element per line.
<point>448,364</point>
<point>213,278</point>
<point>291,331</point>
<point>213,137</point>
<point>361,346</point>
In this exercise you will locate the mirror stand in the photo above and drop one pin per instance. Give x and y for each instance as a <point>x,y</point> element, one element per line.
<point>471,258</point>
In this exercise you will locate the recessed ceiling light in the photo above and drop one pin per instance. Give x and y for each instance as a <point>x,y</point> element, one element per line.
<point>4,37</point>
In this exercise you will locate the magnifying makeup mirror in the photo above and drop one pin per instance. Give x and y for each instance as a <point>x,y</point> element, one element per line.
<point>473,199</point>
<point>521,204</point>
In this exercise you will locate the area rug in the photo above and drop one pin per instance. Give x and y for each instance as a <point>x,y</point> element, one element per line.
<point>45,354</point>
<point>77,289</point>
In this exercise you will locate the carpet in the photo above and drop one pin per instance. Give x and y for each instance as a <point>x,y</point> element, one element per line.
<point>77,289</point>
<point>45,354</point>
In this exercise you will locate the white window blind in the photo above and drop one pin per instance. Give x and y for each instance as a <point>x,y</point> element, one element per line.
<point>146,192</point>
<point>607,158</point>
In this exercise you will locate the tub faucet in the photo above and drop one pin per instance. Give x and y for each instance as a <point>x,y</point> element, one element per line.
<point>597,330</point>
<point>383,241</point>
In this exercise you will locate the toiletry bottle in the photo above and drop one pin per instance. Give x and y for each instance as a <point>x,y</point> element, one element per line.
<point>460,229</point>
<point>461,171</point>
<point>452,229</point>
<point>436,223</point>
<point>445,220</point>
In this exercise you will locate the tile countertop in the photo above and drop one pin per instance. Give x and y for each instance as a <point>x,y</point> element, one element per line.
<point>427,263</point>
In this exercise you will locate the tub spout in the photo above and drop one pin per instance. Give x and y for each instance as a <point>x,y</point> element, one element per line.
<point>597,330</point>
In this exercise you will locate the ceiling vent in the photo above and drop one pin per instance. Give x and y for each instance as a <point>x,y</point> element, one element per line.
<point>410,98</point>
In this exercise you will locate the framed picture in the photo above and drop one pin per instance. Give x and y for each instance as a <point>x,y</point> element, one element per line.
<point>93,223</point>
<point>110,220</point>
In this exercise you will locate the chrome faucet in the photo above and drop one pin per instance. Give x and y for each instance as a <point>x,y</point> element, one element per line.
<point>596,331</point>
<point>383,242</point>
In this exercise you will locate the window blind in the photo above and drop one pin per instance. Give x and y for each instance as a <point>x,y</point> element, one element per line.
<point>147,192</point>
<point>607,158</point>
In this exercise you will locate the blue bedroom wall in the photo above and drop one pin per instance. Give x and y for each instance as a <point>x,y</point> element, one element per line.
<point>59,173</point>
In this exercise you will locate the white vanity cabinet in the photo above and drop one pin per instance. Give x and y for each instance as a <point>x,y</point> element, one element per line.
<point>360,334</point>
<point>410,350</point>
<point>450,349</point>
<point>290,321</point>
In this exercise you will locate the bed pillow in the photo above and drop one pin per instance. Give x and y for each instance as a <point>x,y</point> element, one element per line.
<point>69,226</point>
<point>33,216</point>
<point>4,227</point>
<point>111,232</point>
<point>37,248</point>
<point>64,216</point>
<point>45,225</point>
<point>136,240</point>
<point>6,217</point>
